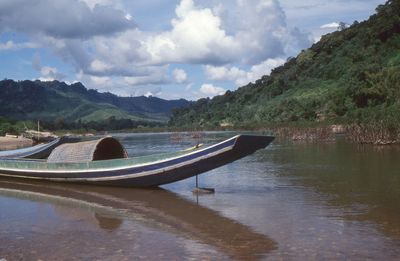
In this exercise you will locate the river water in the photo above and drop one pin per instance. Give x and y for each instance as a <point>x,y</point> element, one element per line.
<point>291,201</point>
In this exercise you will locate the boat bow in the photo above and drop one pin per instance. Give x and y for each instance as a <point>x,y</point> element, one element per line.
<point>146,171</point>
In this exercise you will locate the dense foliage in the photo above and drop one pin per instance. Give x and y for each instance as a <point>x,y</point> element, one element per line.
<point>60,104</point>
<point>110,124</point>
<point>352,76</point>
<point>14,127</point>
<point>18,127</point>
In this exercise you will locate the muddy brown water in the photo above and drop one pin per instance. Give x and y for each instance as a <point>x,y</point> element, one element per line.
<point>292,201</point>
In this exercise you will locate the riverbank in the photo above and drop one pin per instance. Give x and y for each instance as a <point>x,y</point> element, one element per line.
<point>375,134</point>
<point>305,131</point>
<point>10,143</point>
<point>356,133</point>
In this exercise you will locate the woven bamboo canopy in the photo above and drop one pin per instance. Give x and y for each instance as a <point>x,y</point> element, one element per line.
<point>103,149</point>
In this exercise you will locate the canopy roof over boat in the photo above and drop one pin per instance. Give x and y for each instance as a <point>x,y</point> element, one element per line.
<point>103,149</point>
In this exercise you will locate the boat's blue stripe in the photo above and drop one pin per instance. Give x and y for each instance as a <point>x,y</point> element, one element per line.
<point>172,162</point>
<point>133,170</point>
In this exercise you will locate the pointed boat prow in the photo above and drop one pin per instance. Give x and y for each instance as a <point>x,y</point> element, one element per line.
<point>145,171</point>
<point>251,143</point>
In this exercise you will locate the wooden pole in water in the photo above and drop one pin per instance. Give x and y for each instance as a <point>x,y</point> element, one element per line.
<point>198,190</point>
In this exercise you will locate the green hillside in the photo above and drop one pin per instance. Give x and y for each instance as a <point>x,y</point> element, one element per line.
<point>58,102</point>
<point>349,76</point>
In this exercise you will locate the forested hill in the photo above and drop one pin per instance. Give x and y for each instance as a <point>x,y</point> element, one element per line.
<point>58,101</point>
<point>350,76</point>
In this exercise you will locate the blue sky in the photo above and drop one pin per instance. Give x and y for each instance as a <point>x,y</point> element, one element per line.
<point>170,49</point>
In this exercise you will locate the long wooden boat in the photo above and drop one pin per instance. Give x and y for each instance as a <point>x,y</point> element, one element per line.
<point>145,171</point>
<point>38,152</point>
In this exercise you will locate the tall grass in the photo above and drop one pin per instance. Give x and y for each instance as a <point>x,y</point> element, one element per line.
<point>372,133</point>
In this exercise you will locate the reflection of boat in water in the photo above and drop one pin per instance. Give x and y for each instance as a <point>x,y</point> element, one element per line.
<point>156,208</point>
<point>102,162</point>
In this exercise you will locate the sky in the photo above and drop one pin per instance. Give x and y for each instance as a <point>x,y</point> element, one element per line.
<point>170,49</point>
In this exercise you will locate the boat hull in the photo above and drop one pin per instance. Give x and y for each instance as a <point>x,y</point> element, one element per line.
<point>153,173</point>
<point>244,147</point>
<point>40,151</point>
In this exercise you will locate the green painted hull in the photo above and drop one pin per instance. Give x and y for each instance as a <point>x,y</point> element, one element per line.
<point>147,171</point>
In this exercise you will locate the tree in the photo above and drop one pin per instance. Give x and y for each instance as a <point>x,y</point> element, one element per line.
<point>342,26</point>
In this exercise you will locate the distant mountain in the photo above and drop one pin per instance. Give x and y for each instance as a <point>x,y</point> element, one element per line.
<point>50,101</point>
<point>349,76</point>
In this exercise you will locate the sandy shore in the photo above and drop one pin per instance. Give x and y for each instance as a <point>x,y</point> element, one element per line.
<point>7,143</point>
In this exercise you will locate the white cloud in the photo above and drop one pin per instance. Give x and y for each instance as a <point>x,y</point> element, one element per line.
<point>99,66</point>
<point>247,31</point>
<point>47,73</point>
<point>93,3</point>
<point>99,38</point>
<point>239,76</point>
<point>144,80</point>
<point>102,83</point>
<point>12,46</point>
<point>179,75</point>
<point>238,32</point>
<point>224,73</point>
<point>333,25</point>
<point>100,80</point>
<point>261,69</point>
<point>128,17</point>
<point>125,86</point>
<point>62,18</point>
<point>148,94</point>
<point>210,90</point>
<point>310,14</point>
<point>50,74</point>
<point>198,36</point>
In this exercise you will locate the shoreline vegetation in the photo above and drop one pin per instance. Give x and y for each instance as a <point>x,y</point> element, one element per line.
<point>349,77</point>
<point>375,132</point>
<point>355,133</point>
